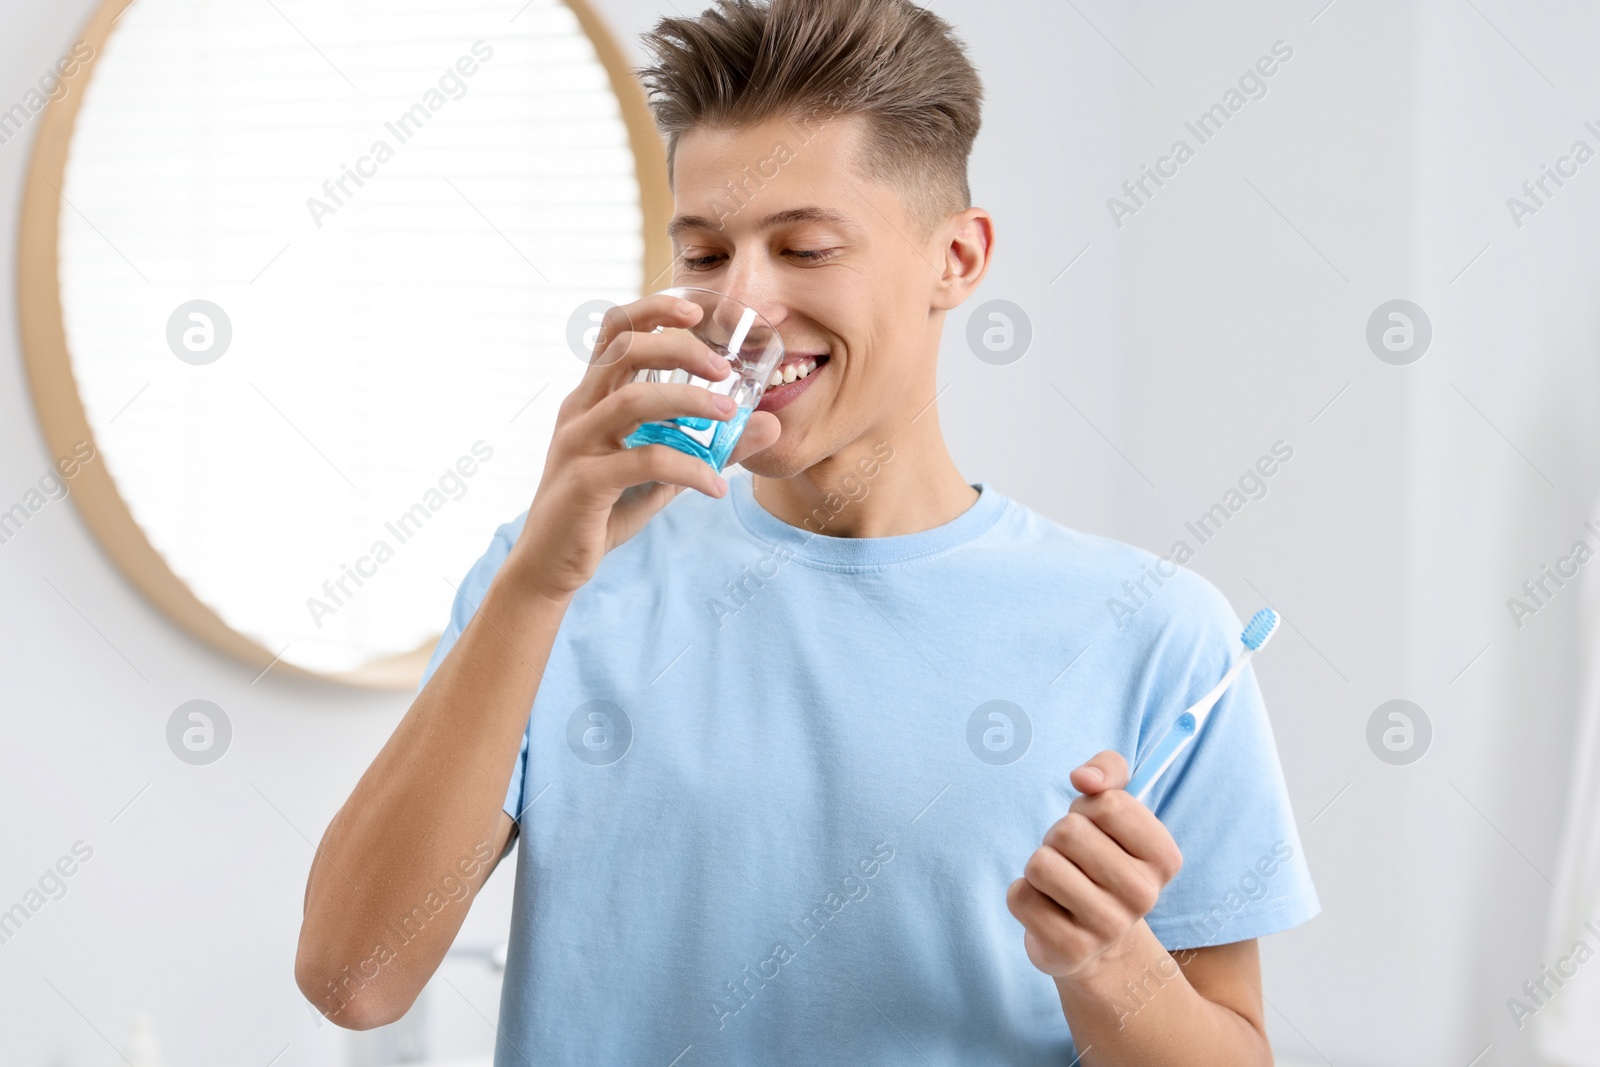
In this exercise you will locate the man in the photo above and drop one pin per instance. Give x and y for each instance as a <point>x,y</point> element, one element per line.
<point>793,758</point>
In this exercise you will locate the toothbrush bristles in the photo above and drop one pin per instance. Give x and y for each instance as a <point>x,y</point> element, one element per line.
<point>1263,624</point>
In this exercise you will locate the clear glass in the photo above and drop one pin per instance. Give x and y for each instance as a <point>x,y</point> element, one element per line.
<point>748,341</point>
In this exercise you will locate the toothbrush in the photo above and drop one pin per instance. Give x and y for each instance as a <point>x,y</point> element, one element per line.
<point>1263,624</point>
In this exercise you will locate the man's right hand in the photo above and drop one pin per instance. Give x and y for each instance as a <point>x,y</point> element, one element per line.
<point>596,492</point>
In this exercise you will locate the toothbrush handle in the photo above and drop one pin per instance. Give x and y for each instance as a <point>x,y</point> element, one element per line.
<point>1177,737</point>
<point>1183,730</point>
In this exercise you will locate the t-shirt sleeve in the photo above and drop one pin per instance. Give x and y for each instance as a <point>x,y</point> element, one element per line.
<point>1224,801</point>
<point>469,594</point>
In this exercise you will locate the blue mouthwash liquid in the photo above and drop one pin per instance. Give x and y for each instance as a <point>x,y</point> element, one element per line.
<point>709,439</point>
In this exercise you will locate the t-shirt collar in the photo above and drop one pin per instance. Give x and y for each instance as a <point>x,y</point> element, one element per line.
<point>861,553</point>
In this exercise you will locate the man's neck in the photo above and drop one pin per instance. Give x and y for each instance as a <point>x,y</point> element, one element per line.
<point>901,482</point>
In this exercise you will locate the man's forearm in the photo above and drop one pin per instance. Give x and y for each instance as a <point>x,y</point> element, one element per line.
<point>1137,1009</point>
<point>428,802</point>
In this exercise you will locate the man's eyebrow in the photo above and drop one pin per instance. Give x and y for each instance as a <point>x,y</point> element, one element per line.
<point>777,218</point>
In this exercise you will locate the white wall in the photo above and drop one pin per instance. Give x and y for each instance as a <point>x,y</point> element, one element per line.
<point>1222,317</point>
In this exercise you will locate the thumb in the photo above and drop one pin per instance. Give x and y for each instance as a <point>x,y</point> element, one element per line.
<point>1105,770</point>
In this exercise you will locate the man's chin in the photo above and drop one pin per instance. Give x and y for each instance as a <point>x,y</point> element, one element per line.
<point>776,462</point>
<point>798,452</point>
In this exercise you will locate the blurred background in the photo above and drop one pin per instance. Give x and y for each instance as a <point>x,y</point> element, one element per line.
<point>1380,255</point>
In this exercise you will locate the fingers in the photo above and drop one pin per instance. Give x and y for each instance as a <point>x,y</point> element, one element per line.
<point>1114,875</point>
<point>1105,770</point>
<point>603,427</point>
<point>657,463</point>
<point>1100,870</point>
<point>1054,943</point>
<point>761,431</point>
<point>670,351</point>
<point>1133,828</point>
<point>1067,885</point>
<point>627,344</point>
<point>1080,893</point>
<point>642,315</point>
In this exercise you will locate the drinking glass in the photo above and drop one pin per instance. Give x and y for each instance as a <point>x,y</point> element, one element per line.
<point>751,346</point>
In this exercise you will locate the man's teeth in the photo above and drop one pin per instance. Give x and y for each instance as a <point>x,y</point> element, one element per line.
<point>790,372</point>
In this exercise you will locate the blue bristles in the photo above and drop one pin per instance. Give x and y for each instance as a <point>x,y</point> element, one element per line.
<point>1263,624</point>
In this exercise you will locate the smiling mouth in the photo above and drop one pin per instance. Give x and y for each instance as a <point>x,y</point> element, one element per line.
<point>790,380</point>
<point>793,370</point>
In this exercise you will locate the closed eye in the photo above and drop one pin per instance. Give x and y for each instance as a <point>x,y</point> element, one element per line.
<point>810,255</point>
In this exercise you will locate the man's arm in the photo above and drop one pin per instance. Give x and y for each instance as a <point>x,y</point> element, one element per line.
<point>1082,901</point>
<point>401,862</point>
<point>1147,1006</point>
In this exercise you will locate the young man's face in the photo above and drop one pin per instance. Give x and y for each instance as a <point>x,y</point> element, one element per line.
<point>832,260</point>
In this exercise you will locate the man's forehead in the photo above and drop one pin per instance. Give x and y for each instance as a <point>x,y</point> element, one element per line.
<point>712,141</point>
<point>797,172</point>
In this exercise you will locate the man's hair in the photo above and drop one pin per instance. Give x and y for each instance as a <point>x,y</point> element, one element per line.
<point>898,65</point>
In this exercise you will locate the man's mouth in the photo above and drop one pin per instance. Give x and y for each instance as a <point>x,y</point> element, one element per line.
<point>791,378</point>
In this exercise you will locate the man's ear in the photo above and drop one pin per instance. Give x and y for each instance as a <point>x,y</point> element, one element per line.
<point>968,246</point>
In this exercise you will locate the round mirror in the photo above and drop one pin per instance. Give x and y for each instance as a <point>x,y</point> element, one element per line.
<point>302,277</point>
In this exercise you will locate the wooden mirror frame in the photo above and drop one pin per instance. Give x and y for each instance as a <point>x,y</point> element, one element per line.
<point>55,391</point>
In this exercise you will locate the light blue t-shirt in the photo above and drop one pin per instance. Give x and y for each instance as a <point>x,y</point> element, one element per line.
<point>775,785</point>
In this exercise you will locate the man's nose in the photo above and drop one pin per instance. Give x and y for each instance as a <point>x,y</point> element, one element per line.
<point>747,291</point>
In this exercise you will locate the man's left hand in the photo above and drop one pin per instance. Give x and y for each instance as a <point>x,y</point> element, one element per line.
<point>1099,872</point>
